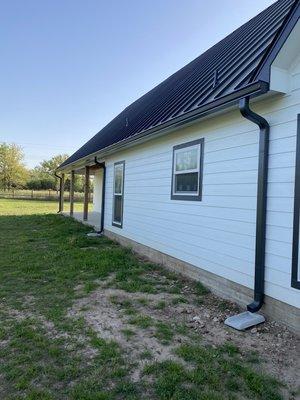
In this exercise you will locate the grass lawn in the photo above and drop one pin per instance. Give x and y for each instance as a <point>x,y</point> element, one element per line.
<point>83,318</point>
<point>33,207</point>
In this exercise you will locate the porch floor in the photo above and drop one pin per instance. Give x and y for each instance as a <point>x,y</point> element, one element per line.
<point>93,218</point>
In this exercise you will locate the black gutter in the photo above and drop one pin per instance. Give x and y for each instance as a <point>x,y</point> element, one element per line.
<point>261,208</point>
<point>102,165</point>
<point>60,188</point>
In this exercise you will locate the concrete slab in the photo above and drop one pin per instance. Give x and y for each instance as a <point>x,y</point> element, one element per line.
<point>93,218</point>
<point>244,320</point>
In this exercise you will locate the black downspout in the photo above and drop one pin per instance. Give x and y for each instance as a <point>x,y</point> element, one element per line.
<point>102,165</point>
<point>261,208</point>
<point>60,187</point>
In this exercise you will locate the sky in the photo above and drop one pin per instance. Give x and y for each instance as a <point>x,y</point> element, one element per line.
<point>67,67</point>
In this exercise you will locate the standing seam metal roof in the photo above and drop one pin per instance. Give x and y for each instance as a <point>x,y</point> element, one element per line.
<point>225,68</point>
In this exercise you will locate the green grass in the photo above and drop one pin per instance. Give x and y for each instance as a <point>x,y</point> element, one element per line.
<point>210,374</point>
<point>32,207</point>
<point>164,333</point>
<point>142,321</point>
<point>161,305</point>
<point>128,333</point>
<point>45,354</point>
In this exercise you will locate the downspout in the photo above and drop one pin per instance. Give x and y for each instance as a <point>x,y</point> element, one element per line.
<point>60,187</point>
<point>261,208</point>
<point>102,165</point>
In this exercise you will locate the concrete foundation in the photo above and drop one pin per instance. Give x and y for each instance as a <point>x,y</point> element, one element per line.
<point>224,288</point>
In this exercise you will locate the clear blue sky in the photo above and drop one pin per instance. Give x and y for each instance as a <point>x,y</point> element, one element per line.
<point>68,66</point>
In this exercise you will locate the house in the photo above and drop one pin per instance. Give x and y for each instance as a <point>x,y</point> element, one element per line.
<point>202,173</point>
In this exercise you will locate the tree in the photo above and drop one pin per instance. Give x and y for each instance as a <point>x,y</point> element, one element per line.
<point>13,173</point>
<point>49,166</point>
<point>43,175</point>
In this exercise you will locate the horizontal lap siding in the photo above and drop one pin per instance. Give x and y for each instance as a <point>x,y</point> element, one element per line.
<point>218,233</point>
<point>281,113</point>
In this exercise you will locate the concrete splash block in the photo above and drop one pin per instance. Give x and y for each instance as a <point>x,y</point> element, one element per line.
<point>244,320</point>
<point>94,234</point>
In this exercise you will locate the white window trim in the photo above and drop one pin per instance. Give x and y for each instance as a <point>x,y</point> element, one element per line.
<point>187,171</point>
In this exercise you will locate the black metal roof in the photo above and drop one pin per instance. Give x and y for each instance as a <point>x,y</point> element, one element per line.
<point>226,68</point>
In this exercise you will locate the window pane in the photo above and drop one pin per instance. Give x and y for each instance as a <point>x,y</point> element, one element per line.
<point>118,179</point>
<point>186,182</point>
<point>187,159</point>
<point>118,209</point>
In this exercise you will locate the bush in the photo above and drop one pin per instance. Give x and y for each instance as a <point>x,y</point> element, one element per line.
<point>41,184</point>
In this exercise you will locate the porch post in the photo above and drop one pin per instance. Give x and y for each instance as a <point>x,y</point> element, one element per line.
<point>61,193</point>
<point>86,193</point>
<point>72,192</point>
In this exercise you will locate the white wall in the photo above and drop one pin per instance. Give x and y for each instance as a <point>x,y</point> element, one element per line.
<point>218,233</point>
<point>97,193</point>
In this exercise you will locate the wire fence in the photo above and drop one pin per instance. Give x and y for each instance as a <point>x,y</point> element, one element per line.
<point>41,195</point>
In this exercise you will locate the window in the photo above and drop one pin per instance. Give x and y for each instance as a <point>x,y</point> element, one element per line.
<point>187,171</point>
<point>118,194</point>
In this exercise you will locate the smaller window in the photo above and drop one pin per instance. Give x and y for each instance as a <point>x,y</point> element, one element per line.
<point>118,194</point>
<point>187,171</point>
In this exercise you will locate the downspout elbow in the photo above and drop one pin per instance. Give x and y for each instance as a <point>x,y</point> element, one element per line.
<point>261,208</point>
<point>256,304</point>
<point>57,176</point>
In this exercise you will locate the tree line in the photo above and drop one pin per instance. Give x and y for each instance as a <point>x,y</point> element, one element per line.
<point>15,175</point>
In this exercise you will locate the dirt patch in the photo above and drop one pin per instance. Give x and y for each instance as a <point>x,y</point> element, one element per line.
<point>271,342</point>
<point>105,312</point>
<point>102,312</point>
<point>50,330</point>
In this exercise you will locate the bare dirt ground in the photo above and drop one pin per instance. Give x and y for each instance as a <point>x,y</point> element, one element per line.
<point>109,312</point>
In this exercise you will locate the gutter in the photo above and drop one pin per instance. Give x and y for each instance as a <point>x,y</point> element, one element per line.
<point>253,90</point>
<point>102,165</point>
<point>261,208</point>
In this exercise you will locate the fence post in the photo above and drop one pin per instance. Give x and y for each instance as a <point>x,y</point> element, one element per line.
<point>13,193</point>
<point>32,193</point>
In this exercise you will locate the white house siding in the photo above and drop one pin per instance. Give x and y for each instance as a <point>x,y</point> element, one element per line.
<point>218,233</point>
<point>97,192</point>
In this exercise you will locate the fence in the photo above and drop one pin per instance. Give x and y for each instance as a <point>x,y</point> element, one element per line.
<point>40,195</point>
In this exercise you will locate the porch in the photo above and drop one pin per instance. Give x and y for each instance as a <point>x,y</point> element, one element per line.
<point>91,213</point>
<point>93,220</point>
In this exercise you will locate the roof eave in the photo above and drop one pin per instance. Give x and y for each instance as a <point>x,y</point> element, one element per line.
<point>252,90</point>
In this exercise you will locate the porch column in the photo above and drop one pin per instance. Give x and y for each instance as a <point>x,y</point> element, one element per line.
<point>86,193</point>
<point>61,193</point>
<point>72,193</point>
